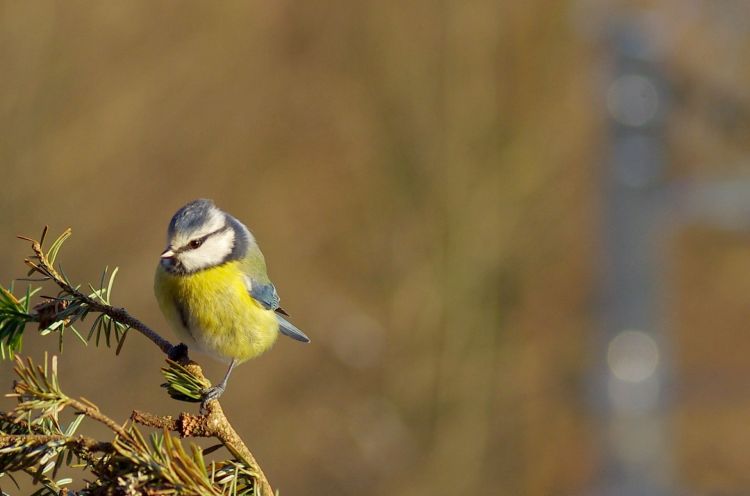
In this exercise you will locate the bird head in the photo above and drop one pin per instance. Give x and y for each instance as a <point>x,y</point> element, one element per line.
<point>201,236</point>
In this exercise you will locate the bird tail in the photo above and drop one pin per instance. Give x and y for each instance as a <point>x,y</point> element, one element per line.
<point>288,329</point>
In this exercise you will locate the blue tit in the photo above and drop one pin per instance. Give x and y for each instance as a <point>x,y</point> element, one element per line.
<point>212,286</point>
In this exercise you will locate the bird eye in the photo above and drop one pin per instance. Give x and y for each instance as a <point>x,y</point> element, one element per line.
<point>195,243</point>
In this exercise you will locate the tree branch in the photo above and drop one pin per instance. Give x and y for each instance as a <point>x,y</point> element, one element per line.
<point>94,413</point>
<point>47,270</point>
<point>213,424</point>
<point>88,443</point>
<point>225,433</point>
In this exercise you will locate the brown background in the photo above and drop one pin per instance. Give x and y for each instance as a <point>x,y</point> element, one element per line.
<point>422,177</point>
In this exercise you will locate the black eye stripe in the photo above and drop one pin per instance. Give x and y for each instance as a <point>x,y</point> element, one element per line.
<point>197,242</point>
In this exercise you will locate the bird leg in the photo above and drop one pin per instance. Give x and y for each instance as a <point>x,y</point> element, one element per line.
<point>214,392</point>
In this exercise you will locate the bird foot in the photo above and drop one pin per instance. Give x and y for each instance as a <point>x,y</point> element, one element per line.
<point>209,394</point>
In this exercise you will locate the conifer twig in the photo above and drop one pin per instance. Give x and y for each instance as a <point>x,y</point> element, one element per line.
<point>213,423</point>
<point>46,269</point>
<point>88,443</point>
<point>94,413</point>
<point>210,424</point>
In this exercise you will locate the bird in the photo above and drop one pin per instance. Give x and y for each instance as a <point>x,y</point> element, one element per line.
<point>212,286</point>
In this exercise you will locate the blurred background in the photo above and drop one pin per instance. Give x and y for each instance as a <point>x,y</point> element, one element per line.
<point>516,232</point>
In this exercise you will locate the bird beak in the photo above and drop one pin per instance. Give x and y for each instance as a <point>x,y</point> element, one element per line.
<point>168,253</point>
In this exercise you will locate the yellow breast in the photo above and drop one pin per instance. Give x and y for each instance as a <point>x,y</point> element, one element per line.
<point>213,310</point>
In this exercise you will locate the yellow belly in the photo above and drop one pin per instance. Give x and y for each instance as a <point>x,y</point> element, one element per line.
<point>213,311</point>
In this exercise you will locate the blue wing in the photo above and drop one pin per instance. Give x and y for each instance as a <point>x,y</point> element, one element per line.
<point>266,295</point>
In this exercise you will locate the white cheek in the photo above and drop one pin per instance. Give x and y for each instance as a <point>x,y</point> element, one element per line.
<point>196,260</point>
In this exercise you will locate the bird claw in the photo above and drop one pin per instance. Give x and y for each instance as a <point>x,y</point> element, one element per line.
<point>210,394</point>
